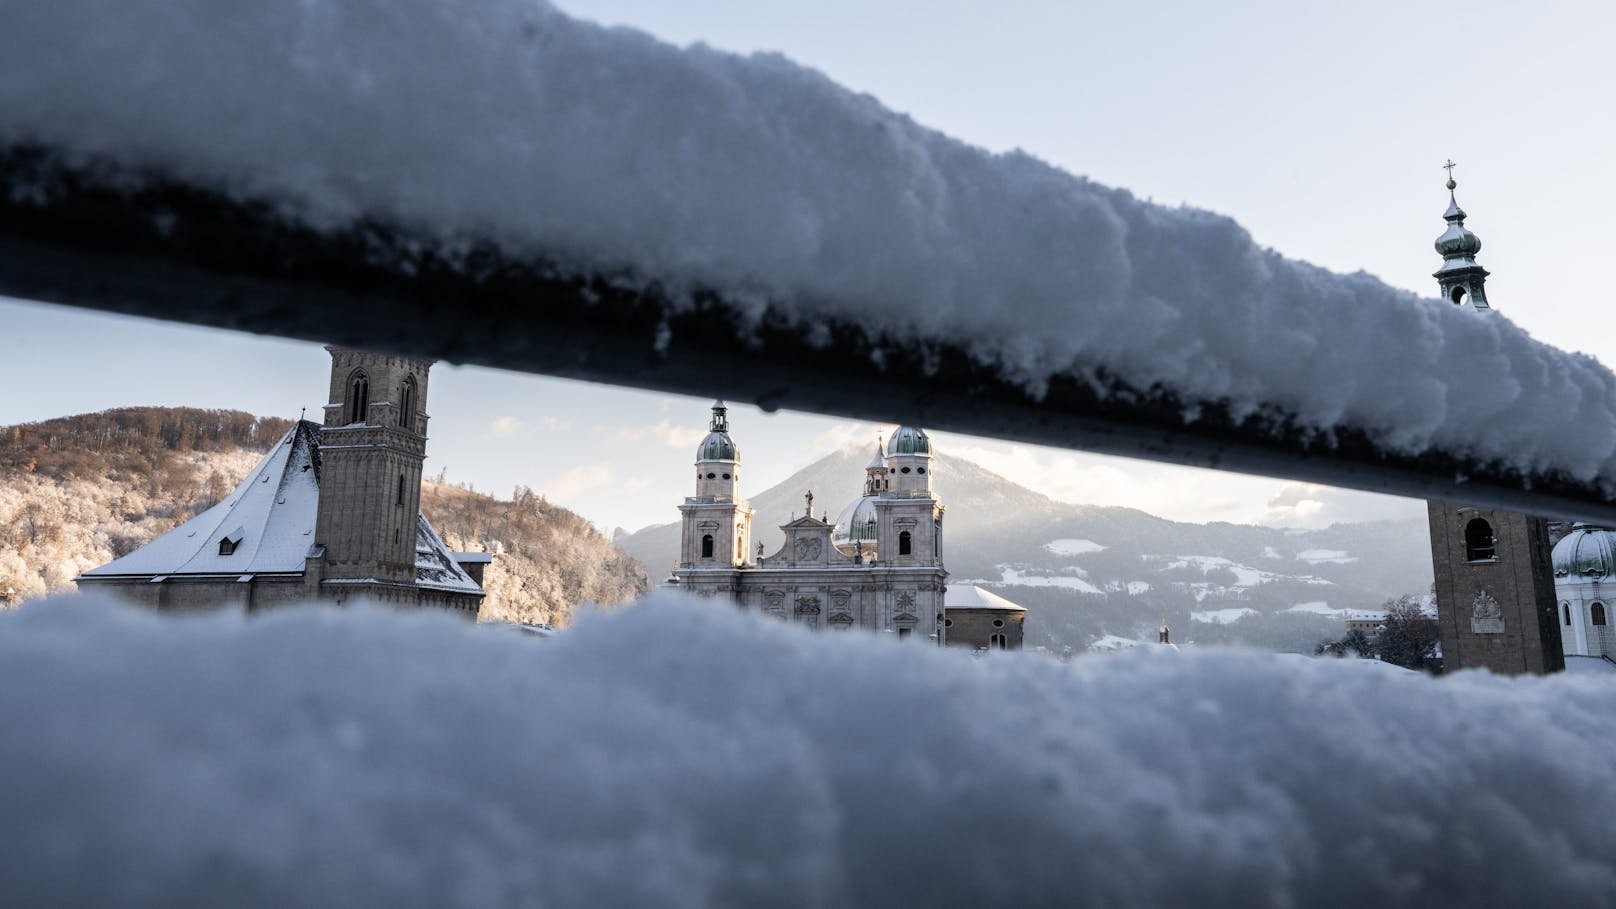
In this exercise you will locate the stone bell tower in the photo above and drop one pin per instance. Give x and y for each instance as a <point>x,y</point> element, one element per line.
<point>371,450</point>
<point>716,521</point>
<point>1494,578</point>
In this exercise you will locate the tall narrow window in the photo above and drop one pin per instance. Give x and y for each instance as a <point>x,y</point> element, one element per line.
<point>400,490</point>
<point>406,403</point>
<point>905,543</point>
<point>1479,545</point>
<point>1597,611</point>
<point>996,641</point>
<point>1567,608</point>
<point>706,545</point>
<point>358,398</point>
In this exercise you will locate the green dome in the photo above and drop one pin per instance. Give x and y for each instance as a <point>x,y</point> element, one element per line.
<point>908,440</point>
<point>1589,551</point>
<point>1457,241</point>
<point>718,446</point>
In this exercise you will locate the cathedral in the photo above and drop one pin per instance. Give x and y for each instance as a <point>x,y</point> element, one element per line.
<point>878,566</point>
<point>331,513</point>
<point>1495,587</point>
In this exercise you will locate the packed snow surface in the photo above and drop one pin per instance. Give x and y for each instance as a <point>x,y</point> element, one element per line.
<point>680,753</point>
<point>605,148</point>
<point>1316,606</point>
<point>1073,547</point>
<point>1014,576</point>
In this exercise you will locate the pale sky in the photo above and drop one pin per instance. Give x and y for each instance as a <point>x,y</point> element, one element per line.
<point>1322,131</point>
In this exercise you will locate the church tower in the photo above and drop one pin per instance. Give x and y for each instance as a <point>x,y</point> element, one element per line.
<point>717,522</point>
<point>1494,579</point>
<point>909,519</point>
<point>371,450</point>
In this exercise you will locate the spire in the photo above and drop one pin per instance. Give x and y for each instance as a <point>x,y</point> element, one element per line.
<point>1461,279</point>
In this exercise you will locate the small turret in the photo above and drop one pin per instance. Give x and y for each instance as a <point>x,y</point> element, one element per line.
<point>908,460</point>
<point>1462,280</point>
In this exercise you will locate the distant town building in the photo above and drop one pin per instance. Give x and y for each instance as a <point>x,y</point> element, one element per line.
<point>1494,585</point>
<point>331,513</point>
<point>879,566</point>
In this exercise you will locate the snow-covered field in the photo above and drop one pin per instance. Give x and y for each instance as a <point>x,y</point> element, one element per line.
<point>1315,606</point>
<point>607,149</point>
<point>1325,556</point>
<point>1014,576</point>
<point>1073,547</point>
<point>675,753</point>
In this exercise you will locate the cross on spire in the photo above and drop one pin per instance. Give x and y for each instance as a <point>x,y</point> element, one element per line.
<point>1449,167</point>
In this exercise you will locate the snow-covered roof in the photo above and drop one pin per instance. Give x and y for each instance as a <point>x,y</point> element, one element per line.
<point>969,596</point>
<point>269,522</point>
<point>269,518</point>
<point>435,565</point>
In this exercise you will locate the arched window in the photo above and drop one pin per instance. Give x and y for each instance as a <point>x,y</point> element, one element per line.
<point>706,545</point>
<point>996,641</point>
<point>1598,613</point>
<point>1479,545</point>
<point>1458,296</point>
<point>358,398</point>
<point>1567,608</point>
<point>406,403</point>
<point>400,499</point>
<point>904,543</point>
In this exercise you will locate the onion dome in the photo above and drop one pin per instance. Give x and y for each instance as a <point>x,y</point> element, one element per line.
<point>1457,241</point>
<point>718,446</point>
<point>908,440</point>
<point>1588,551</point>
<point>855,525</point>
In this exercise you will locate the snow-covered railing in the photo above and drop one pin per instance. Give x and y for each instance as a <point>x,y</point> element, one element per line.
<point>503,185</point>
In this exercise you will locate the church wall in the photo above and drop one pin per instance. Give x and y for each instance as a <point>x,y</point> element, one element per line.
<point>178,594</point>
<point>973,629</point>
<point>1519,578</point>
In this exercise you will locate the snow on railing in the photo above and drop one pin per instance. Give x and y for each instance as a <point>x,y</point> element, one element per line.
<point>678,753</point>
<point>498,183</point>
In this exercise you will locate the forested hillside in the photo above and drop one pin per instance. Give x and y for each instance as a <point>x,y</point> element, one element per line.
<point>77,492</point>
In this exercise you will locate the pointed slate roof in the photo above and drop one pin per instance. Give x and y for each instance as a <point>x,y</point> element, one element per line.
<point>270,519</point>
<point>270,516</point>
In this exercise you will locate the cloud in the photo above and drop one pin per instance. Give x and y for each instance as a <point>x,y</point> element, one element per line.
<point>1310,506</point>
<point>578,481</point>
<point>857,432</point>
<point>1179,493</point>
<point>505,427</point>
<point>663,432</point>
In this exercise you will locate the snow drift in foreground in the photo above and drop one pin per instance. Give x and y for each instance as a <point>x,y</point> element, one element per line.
<point>508,120</point>
<point>680,754</point>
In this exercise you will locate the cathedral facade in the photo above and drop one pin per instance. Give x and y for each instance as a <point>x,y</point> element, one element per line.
<point>879,566</point>
<point>331,513</point>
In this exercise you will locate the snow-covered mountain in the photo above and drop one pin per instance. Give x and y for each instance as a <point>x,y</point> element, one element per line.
<point>1092,576</point>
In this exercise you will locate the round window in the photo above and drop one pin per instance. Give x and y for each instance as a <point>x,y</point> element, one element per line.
<point>906,470</point>
<point>920,470</point>
<point>709,476</point>
<point>948,623</point>
<point>726,476</point>
<point>998,623</point>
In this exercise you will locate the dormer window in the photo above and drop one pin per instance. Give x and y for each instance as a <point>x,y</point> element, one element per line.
<point>229,542</point>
